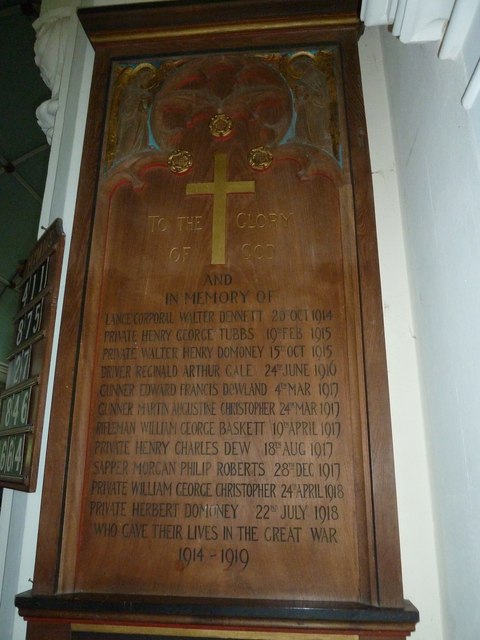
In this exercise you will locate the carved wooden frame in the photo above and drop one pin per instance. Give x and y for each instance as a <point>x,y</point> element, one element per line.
<point>215,26</point>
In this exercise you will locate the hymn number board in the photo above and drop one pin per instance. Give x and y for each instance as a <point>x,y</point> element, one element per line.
<point>22,403</point>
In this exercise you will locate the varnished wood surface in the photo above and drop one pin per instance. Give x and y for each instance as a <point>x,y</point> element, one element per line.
<point>372,568</point>
<point>382,471</point>
<point>175,616</point>
<point>306,279</point>
<point>144,20</point>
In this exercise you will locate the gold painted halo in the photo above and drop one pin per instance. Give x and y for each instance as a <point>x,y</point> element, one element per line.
<point>220,125</point>
<point>260,158</point>
<point>180,161</point>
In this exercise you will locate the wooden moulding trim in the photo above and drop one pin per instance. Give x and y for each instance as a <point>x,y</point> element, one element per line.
<point>245,27</point>
<point>238,634</point>
<point>378,407</point>
<point>212,616</point>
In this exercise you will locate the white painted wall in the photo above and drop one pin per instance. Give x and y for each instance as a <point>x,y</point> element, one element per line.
<point>418,549</point>
<point>438,167</point>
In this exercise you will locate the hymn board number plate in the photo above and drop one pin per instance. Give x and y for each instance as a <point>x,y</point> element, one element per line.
<point>221,396</point>
<point>23,401</point>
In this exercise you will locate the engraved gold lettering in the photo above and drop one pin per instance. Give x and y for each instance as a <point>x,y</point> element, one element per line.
<point>263,220</point>
<point>157,223</point>
<point>190,223</point>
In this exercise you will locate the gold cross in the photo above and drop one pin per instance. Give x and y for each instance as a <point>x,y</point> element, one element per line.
<point>219,189</point>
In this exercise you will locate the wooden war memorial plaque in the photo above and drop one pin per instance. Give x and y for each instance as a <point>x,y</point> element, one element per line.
<point>221,412</point>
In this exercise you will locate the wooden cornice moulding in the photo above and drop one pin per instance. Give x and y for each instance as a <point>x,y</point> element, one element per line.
<point>221,618</point>
<point>176,19</point>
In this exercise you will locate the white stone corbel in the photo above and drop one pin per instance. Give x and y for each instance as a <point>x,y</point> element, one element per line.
<point>51,36</point>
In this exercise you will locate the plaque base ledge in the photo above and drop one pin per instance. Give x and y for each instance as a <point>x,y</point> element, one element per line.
<point>214,612</point>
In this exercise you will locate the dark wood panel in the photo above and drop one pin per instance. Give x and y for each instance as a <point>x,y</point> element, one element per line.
<point>143,21</point>
<point>22,404</point>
